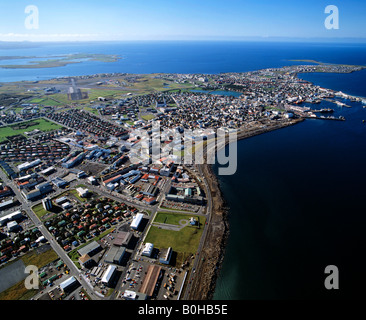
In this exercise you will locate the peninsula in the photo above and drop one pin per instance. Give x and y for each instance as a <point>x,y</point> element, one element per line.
<point>100,191</point>
<point>34,62</point>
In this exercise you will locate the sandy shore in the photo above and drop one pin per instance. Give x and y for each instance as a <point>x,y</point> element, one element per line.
<point>203,286</point>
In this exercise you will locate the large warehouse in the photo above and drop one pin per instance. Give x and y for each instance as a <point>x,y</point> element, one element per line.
<point>108,275</point>
<point>152,278</point>
<point>115,255</point>
<point>122,238</point>
<point>91,249</point>
<point>69,284</point>
<point>136,221</point>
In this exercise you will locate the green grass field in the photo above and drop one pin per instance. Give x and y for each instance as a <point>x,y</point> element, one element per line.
<point>171,218</point>
<point>93,95</point>
<point>184,241</point>
<point>18,291</point>
<point>40,124</point>
<point>39,210</point>
<point>148,117</point>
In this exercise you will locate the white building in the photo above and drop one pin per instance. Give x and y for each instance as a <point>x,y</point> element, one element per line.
<point>83,192</point>
<point>69,284</point>
<point>47,204</point>
<point>108,274</point>
<point>147,250</point>
<point>92,180</point>
<point>12,226</point>
<point>136,221</point>
<point>10,217</point>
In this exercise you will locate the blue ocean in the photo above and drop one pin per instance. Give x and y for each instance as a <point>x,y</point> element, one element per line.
<point>297,199</point>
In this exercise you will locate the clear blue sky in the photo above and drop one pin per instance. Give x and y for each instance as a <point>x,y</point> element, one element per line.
<point>178,19</point>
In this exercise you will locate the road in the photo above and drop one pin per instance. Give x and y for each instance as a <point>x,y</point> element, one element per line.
<point>198,257</point>
<point>74,271</point>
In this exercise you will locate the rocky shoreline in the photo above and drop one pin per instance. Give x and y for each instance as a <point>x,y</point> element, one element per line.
<point>213,252</point>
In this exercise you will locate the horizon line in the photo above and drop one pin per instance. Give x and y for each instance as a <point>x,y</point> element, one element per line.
<point>234,39</point>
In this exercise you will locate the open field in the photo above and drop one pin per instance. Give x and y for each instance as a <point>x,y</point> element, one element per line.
<point>171,218</point>
<point>149,84</point>
<point>148,117</point>
<point>45,101</point>
<point>20,128</point>
<point>184,241</point>
<point>18,290</point>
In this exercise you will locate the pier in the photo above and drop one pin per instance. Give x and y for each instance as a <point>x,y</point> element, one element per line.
<point>338,103</point>
<point>340,118</point>
<point>323,110</point>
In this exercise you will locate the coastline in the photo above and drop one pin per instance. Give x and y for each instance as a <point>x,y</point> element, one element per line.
<point>213,252</point>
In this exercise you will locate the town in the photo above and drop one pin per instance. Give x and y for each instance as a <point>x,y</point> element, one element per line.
<point>103,203</point>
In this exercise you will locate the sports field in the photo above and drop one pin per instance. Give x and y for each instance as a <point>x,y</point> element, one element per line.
<point>185,241</point>
<point>27,126</point>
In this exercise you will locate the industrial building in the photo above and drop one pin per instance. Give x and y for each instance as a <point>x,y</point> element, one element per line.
<point>10,217</point>
<point>12,226</point>
<point>136,221</point>
<point>44,187</point>
<point>165,255</point>
<point>66,205</point>
<point>115,255</point>
<point>30,195</point>
<point>61,200</point>
<point>69,285</point>
<point>73,161</point>
<point>122,239</point>
<point>150,190</point>
<point>109,275</point>
<point>147,250</point>
<point>28,165</point>
<point>48,171</point>
<point>86,261</point>
<point>91,249</point>
<point>59,182</point>
<point>7,204</point>
<point>153,277</point>
<point>83,192</point>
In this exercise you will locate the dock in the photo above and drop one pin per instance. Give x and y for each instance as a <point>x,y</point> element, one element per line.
<point>323,110</point>
<point>340,118</point>
<point>338,103</point>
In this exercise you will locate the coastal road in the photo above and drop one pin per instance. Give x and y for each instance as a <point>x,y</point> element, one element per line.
<point>198,256</point>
